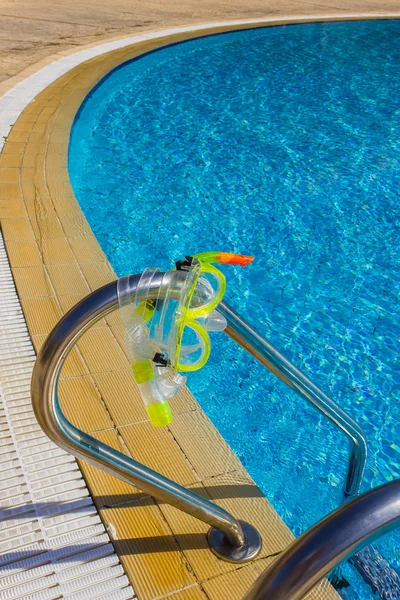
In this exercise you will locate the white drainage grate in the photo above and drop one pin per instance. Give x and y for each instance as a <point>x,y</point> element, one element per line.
<point>52,541</point>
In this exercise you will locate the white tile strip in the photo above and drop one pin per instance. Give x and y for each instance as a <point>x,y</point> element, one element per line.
<point>52,542</point>
<point>13,102</point>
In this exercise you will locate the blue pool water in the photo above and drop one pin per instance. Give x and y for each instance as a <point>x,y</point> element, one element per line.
<point>282,143</point>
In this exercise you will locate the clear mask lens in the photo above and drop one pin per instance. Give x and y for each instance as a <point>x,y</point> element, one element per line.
<point>192,348</point>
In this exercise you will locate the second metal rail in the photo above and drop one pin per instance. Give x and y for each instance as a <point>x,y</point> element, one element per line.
<point>345,531</point>
<point>256,345</point>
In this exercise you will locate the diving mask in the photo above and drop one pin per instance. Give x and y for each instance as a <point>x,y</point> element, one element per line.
<point>169,333</point>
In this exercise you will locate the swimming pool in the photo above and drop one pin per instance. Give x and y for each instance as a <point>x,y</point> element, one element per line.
<point>284,143</point>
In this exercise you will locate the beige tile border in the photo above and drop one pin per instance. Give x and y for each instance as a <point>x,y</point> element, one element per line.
<point>56,261</point>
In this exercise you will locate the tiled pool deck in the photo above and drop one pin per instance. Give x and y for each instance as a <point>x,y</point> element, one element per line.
<point>56,261</point>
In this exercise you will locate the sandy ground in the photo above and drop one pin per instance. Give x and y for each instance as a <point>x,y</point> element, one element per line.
<point>34,29</point>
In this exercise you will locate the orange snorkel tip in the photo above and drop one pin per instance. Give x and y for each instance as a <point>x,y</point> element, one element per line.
<point>228,258</point>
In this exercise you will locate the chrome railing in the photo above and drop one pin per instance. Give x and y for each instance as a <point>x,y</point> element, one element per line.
<point>228,538</point>
<point>342,533</point>
<point>240,331</point>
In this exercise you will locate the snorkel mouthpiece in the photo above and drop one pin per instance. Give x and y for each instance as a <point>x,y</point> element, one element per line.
<point>168,334</point>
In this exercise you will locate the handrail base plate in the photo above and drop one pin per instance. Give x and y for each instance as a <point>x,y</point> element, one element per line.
<point>224,550</point>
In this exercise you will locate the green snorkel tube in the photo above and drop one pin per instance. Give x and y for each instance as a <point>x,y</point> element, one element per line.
<point>156,331</point>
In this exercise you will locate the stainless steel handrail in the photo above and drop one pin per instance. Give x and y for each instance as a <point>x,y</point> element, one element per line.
<point>230,539</point>
<point>342,533</point>
<point>242,333</point>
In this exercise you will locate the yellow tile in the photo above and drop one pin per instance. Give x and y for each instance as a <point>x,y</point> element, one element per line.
<point>28,173</point>
<point>118,328</point>
<point>194,592</point>
<point>204,447</point>
<point>69,301</point>
<point>47,111</point>
<point>32,160</point>
<point>191,535</point>
<point>67,279</point>
<point>10,191</point>
<point>101,351</point>
<point>35,136</point>
<point>74,365</point>
<point>55,101</point>
<point>82,405</point>
<point>23,254</point>
<point>57,164</point>
<point>41,314</point>
<point>21,126</point>
<point>57,167</point>
<point>147,550</point>
<point>65,202</point>
<point>37,341</point>
<point>61,127</point>
<point>35,148</point>
<point>41,128</point>
<point>121,396</point>
<point>56,147</point>
<point>47,228</point>
<point>14,209</point>
<point>97,274</point>
<point>29,191</point>
<point>39,207</point>
<point>157,449</point>
<point>33,108</point>
<point>18,136</point>
<point>237,582</point>
<point>56,251</point>
<point>87,249</point>
<point>37,174</point>
<point>237,493</point>
<point>17,229</point>
<point>27,118</point>
<point>183,402</point>
<point>10,160</point>
<point>14,148</point>
<point>32,282</point>
<point>9,175</point>
<point>105,489</point>
<point>36,190</point>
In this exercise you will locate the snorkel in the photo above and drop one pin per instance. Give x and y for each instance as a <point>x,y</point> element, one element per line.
<point>169,334</point>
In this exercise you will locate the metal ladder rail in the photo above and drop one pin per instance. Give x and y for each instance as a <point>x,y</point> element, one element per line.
<point>256,345</point>
<point>230,539</point>
<point>342,533</point>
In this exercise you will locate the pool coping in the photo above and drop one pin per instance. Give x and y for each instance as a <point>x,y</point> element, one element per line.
<point>56,260</point>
